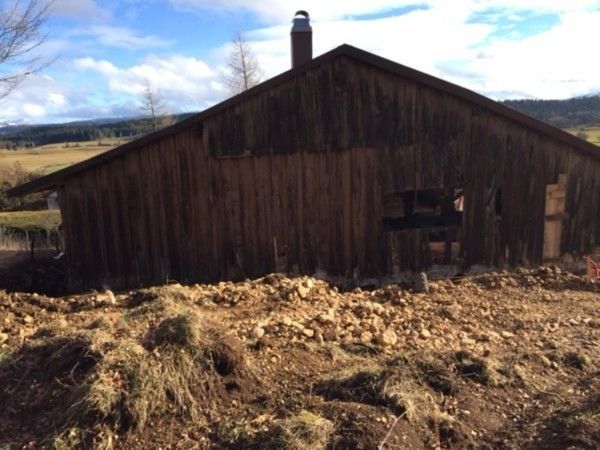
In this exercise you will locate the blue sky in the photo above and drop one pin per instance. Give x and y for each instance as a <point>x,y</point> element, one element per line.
<point>107,49</point>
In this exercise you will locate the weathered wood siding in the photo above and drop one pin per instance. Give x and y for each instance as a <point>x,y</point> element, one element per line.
<point>293,180</point>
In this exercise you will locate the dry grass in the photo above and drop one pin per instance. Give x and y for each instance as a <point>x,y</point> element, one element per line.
<point>591,132</point>
<point>303,431</point>
<point>15,225</point>
<point>108,382</point>
<point>30,220</point>
<point>400,387</point>
<point>53,157</point>
<point>12,241</point>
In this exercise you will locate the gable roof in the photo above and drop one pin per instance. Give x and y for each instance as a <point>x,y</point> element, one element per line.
<point>56,178</point>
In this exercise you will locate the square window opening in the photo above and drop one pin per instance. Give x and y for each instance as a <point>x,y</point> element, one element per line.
<point>424,208</point>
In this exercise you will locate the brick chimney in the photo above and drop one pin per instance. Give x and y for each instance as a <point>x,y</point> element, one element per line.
<point>301,39</point>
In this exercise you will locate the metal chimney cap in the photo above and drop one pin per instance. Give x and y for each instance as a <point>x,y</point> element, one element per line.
<point>301,21</point>
<point>302,13</point>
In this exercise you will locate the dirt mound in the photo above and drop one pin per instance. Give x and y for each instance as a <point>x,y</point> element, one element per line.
<point>502,360</point>
<point>114,378</point>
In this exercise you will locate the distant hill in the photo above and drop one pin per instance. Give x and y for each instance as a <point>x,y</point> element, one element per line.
<point>561,113</point>
<point>92,130</point>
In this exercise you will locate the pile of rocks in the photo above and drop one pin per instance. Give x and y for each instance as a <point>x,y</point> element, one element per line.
<point>469,312</point>
<point>450,315</point>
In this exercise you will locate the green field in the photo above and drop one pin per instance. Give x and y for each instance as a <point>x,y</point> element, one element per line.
<point>591,132</point>
<point>30,220</point>
<point>53,157</point>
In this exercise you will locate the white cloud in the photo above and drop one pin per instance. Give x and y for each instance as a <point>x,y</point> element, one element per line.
<point>102,66</point>
<point>34,111</point>
<point>458,41</point>
<point>280,10</point>
<point>37,99</point>
<point>79,9</point>
<point>419,39</point>
<point>445,41</point>
<point>557,63</point>
<point>57,99</point>
<point>113,36</point>
<point>185,83</point>
<point>283,10</point>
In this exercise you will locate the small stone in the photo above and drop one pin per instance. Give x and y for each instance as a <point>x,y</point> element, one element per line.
<point>286,320</point>
<point>545,361</point>
<point>507,334</point>
<point>308,332</point>
<point>258,332</point>
<point>328,317</point>
<point>297,325</point>
<point>303,291</point>
<point>387,338</point>
<point>110,297</point>
<point>467,341</point>
<point>421,284</point>
<point>425,334</point>
<point>28,319</point>
<point>3,338</point>
<point>366,337</point>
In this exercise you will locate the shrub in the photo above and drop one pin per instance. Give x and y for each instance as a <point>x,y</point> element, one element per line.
<point>11,176</point>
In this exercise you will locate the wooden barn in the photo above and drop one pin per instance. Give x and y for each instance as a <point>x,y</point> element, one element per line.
<point>348,164</point>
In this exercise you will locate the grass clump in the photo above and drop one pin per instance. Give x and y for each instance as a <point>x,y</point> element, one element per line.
<point>450,431</point>
<point>437,376</point>
<point>91,387</point>
<point>158,296</point>
<point>397,386</point>
<point>486,371</point>
<point>303,431</point>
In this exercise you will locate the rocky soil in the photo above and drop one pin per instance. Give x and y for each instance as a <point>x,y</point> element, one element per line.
<point>503,360</point>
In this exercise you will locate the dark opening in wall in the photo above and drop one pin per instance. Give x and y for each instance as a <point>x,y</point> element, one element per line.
<point>444,245</point>
<point>424,208</point>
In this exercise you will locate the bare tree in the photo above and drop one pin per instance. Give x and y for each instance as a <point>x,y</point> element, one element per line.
<point>21,23</point>
<point>243,68</point>
<point>155,108</point>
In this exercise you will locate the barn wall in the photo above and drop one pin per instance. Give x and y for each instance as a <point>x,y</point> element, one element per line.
<point>293,179</point>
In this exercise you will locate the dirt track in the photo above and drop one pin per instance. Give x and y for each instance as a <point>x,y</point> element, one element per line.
<point>495,361</point>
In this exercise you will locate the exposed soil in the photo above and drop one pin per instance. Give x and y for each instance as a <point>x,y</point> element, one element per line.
<point>507,360</point>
